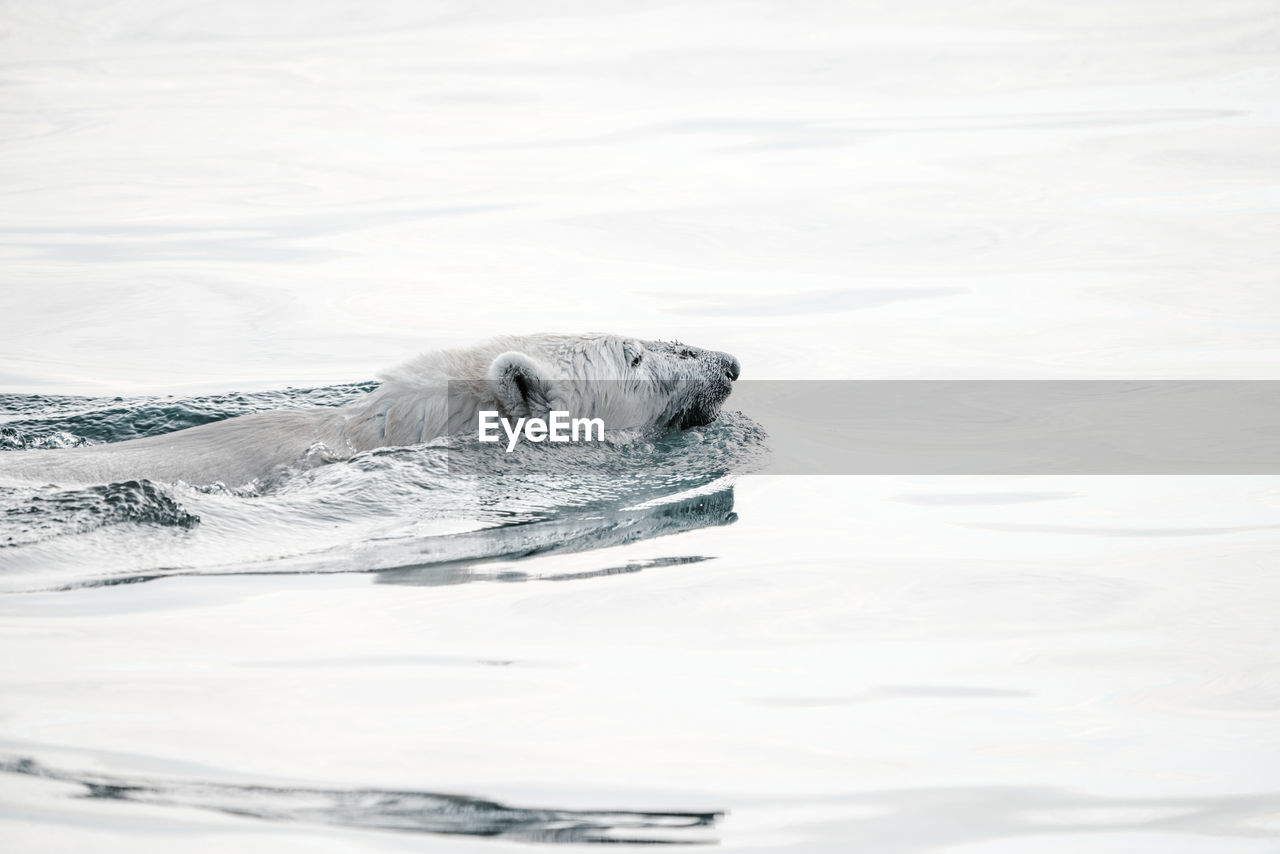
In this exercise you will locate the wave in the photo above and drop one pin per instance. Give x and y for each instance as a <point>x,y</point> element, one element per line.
<point>28,516</point>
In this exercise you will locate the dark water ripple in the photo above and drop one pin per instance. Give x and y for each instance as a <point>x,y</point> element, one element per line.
<point>27,516</point>
<point>37,420</point>
<point>390,809</point>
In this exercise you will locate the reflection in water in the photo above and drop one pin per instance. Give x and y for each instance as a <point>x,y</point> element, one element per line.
<point>379,809</point>
<point>577,533</point>
<point>460,558</point>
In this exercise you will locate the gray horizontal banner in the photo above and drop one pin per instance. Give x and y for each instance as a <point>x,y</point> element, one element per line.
<point>884,427</point>
<point>1016,427</point>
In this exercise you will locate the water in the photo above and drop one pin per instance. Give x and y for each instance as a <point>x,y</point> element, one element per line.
<point>221,208</point>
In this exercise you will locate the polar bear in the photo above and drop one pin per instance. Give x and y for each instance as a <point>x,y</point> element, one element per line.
<point>629,383</point>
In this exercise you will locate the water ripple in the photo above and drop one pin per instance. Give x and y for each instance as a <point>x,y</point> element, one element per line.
<point>389,809</point>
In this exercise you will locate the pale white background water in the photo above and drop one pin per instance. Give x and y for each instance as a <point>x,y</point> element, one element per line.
<point>235,195</point>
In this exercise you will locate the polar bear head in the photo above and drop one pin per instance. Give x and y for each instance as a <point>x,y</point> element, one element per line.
<point>629,383</point>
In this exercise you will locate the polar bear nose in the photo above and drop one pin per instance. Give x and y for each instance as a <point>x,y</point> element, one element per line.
<point>732,368</point>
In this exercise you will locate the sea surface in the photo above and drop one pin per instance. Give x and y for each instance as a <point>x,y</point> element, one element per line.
<point>215,208</point>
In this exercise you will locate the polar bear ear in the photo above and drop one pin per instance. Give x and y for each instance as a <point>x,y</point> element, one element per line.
<point>518,384</point>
